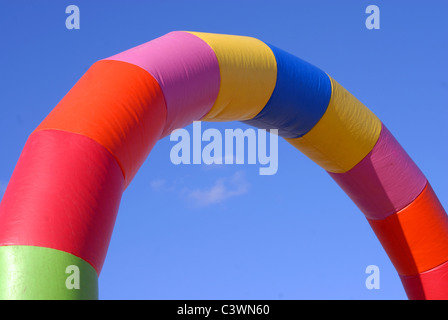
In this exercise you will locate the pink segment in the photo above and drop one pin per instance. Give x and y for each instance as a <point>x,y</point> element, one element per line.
<point>186,69</point>
<point>385,181</point>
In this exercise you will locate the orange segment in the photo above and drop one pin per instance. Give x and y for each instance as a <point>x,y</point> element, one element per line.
<point>117,104</point>
<point>415,238</point>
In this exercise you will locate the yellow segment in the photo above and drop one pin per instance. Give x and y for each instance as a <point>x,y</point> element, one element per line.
<point>344,135</point>
<point>248,76</point>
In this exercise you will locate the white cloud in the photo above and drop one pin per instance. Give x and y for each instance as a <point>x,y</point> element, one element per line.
<point>158,184</point>
<point>222,189</point>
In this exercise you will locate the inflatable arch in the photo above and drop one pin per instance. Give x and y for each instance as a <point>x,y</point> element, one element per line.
<point>59,208</point>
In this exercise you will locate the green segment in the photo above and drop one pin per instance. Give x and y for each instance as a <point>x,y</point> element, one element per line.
<point>36,273</point>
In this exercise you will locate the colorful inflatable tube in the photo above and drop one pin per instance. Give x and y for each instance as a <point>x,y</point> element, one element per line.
<point>60,206</point>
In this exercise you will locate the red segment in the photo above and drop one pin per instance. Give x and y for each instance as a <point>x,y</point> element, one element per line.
<point>429,285</point>
<point>64,194</point>
<point>117,104</point>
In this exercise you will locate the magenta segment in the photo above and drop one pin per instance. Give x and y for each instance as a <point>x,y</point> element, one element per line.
<point>385,181</point>
<point>186,69</point>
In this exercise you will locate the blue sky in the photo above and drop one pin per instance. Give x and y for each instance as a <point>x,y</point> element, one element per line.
<point>292,235</point>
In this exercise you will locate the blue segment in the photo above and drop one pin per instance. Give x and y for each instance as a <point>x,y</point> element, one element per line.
<point>299,100</point>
